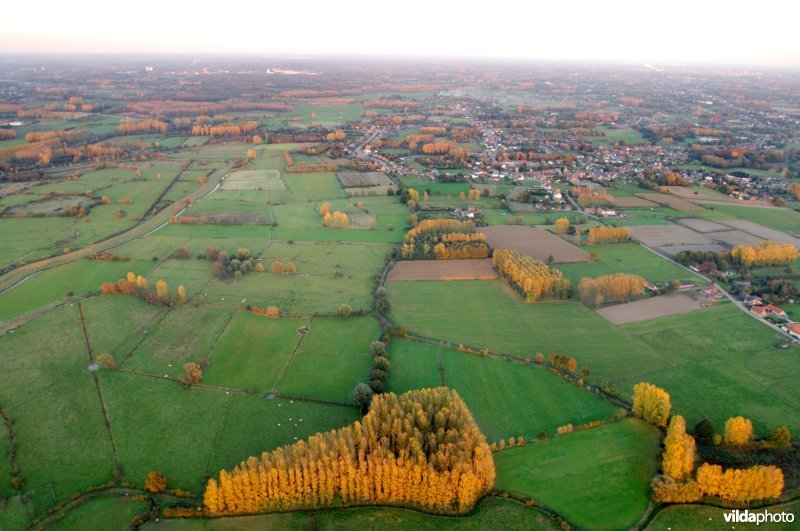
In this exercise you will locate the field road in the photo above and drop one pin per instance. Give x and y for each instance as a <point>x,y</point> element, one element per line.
<point>17,276</point>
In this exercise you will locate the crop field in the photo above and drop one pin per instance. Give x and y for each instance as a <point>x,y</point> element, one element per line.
<point>536,243</point>
<point>781,219</point>
<point>661,306</point>
<point>671,201</point>
<point>633,202</point>
<point>253,180</point>
<point>625,258</point>
<point>606,461</point>
<point>366,179</point>
<point>478,269</point>
<point>658,235</point>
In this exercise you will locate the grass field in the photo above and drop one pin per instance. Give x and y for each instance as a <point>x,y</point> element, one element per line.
<point>102,513</point>
<point>625,258</point>
<point>252,352</point>
<point>701,516</point>
<point>491,513</point>
<point>53,401</point>
<point>332,358</point>
<point>730,357</point>
<point>252,425</point>
<point>612,464</point>
<point>528,401</point>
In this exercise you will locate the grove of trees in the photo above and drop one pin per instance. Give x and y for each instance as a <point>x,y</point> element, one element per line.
<point>533,278</point>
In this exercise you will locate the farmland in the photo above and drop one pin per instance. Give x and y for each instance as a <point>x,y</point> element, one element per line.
<point>207,261</point>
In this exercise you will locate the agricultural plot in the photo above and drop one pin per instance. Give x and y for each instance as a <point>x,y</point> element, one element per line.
<point>703,516</point>
<point>253,352</point>
<point>253,180</point>
<point>254,424</point>
<point>671,201</point>
<point>187,333</point>
<point>701,225</point>
<point>102,513</point>
<point>651,308</point>
<point>331,359</point>
<point>479,269</point>
<point>633,202</point>
<point>658,235</point>
<point>193,275</point>
<point>781,219</point>
<point>365,179</point>
<point>625,258</point>
<point>536,243</point>
<point>54,403</point>
<point>150,436</point>
<point>613,465</point>
<point>131,317</point>
<point>762,232</point>
<point>715,349</point>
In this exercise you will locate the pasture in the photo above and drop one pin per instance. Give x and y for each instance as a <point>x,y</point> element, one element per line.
<point>700,516</point>
<point>624,258</point>
<point>782,219</point>
<point>718,349</point>
<point>613,464</point>
<point>253,180</point>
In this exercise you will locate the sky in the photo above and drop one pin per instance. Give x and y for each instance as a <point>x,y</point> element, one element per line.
<point>754,32</point>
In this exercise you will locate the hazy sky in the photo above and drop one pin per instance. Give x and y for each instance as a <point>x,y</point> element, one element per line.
<point>734,31</point>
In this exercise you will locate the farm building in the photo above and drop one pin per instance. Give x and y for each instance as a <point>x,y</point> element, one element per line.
<point>768,310</point>
<point>793,329</point>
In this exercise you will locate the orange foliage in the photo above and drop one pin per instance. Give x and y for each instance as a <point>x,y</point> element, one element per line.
<point>535,279</point>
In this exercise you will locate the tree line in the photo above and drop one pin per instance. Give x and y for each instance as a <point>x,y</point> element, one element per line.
<point>533,278</point>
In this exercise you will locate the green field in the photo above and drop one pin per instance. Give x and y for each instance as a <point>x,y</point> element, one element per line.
<point>718,350</point>
<point>612,464</point>
<point>491,512</point>
<point>625,258</point>
<point>102,513</point>
<point>331,359</point>
<point>252,352</point>
<point>507,399</point>
<point>699,516</point>
<point>782,219</point>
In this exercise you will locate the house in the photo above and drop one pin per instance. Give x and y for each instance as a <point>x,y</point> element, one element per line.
<point>793,329</point>
<point>768,310</point>
<point>685,284</point>
<point>711,293</point>
<point>753,300</point>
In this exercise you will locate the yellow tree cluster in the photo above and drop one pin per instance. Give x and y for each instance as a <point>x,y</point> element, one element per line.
<point>590,196</point>
<point>422,449</point>
<point>337,219</point>
<point>245,128</point>
<point>794,189</point>
<point>677,461</point>
<point>608,235</point>
<point>738,431</point>
<point>616,287</point>
<point>445,147</point>
<point>767,253</point>
<point>334,136</point>
<point>474,194</point>
<point>561,225</point>
<point>741,485</point>
<point>535,279</point>
<point>136,127</point>
<point>443,239</point>
<point>433,130</point>
<point>651,403</point>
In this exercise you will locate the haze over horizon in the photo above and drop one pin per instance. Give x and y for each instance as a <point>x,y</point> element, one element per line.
<point>733,33</point>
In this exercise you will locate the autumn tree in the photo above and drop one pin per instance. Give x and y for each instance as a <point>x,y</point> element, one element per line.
<point>256,139</point>
<point>738,431</point>
<point>156,482</point>
<point>106,361</point>
<point>766,253</point>
<point>277,267</point>
<point>534,279</point>
<point>290,268</point>
<point>617,287</point>
<point>260,267</point>
<point>181,294</point>
<point>741,485</point>
<point>780,437</point>
<point>251,153</point>
<point>608,235</point>
<point>161,289</point>
<point>561,225</point>
<point>345,310</point>
<point>677,460</point>
<point>651,403</point>
<point>191,374</point>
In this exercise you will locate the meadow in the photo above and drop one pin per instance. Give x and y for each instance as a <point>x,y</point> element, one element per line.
<point>613,464</point>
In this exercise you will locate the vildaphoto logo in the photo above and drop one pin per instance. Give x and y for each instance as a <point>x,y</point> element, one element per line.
<point>757,517</point>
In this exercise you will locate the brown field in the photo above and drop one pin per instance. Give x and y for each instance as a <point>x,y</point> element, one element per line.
<point>732,238</point>
<point>701,196</point>
<point>253,180</point>
<point>762,232</point>
<point>368,191</point>
<point>443,270</point>
<point>661,235</point>
<point>633,202</point>
<point>362,221</point>
<point>673,250</point>
<point>536,243</point>
<point>521,207</point>
<point>671,201</point>
<point>353,179</point>
<point>702,225</point>
<point>660,306</point>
